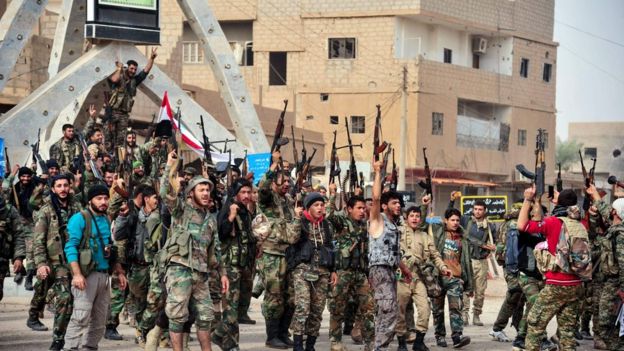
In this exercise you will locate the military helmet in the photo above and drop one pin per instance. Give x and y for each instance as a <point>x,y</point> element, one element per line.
<point>195,182</point>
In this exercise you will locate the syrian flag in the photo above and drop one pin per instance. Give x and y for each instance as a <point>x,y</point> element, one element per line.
<point>187,137</point>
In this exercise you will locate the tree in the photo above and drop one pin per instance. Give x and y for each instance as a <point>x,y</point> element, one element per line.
<point>567,152</point>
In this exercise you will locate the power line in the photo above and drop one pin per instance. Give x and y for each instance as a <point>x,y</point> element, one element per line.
<point>591,34</point>
<point>611,75</point>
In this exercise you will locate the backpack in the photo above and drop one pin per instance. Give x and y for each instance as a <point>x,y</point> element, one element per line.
<point>573,251</point>
<point>511,251</point>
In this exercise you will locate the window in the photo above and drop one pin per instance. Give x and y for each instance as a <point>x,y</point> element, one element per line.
<point>475,61</point>
<point>547,72</point>
<point>590,152</point>
<point>358,124</point>
<point>448,56</point>
<point>522,137</point>
<point>324,97</point>
<point>341,48</point>
<point>192,52</point>
<point>334,120</point>
<point>524,68</point>
<point>277,68</point>
<point>437,123</point>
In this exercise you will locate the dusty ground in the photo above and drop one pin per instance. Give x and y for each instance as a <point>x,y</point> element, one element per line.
<point>14,335</point>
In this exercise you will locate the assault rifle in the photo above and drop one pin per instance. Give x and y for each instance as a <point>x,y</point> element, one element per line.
<point>294,148</point>
<point>304,152</point>
<point>243,166</point>
<point>334,163</point>
<point>426,184</point>
<point>87,158</point>
<point>540,168</point>
<point>353,174</point>
<point>278,139</point>
<point>305,170</point>
<point>205,143</point>
<point>559,180</point>
<point>590,180</point>
<point>36,156</point>
<point>394,176</point>
<point>584,170</point>
<point>384,165</point>
<point>377,147</point>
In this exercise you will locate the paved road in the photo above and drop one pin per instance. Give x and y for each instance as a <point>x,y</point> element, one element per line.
<point>14,335</point>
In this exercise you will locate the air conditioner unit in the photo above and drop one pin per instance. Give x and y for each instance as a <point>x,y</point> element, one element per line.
<point>479,45</point>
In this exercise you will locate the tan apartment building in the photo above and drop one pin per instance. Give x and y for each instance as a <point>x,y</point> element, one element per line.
<point>478,76</point>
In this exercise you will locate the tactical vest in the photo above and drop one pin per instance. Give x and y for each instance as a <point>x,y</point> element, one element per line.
<point>56,235</point>
<point>357,258</point>
<point>608,256</point>
<point>280,214</point>
<point>236,249</point>
<point>189,240</point>
<point>122,97</point>
<point>317,253</point>
<point>384,250</point>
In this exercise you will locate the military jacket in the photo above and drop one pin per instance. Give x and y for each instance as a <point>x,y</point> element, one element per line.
<point>280,211</point>
<point>64,152</point>
<point>417,248</point>
<point>351,240</point>
<point>237,241</point>
<point>50,233</point>
<point>192,237</point>
<point>12,237</point>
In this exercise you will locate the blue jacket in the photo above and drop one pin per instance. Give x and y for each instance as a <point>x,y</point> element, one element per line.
<point>75,228</point>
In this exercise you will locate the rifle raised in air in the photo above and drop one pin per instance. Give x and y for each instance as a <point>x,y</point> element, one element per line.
<point>36,156</point>
<point>353,174</point>
<point>559,180</point>
<point>378,146</point>
<point>426,184</point>
<point>88,159</point>
<point>278,139</point>
<point>394,176</point>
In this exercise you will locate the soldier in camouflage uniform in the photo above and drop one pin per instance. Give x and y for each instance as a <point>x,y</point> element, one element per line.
<point>612,271</point>
<point>12,244</point>
<point>191,251</point>
<point>310,259</point>
<point>599,220</point>
<point>133,228</point>
<point>417,250</point>
<point>351,268</point>
<point>276,204</point>
<point>123,84</point>
<point>66,149</point>
<point>238,251</point>
<point>54,278</point>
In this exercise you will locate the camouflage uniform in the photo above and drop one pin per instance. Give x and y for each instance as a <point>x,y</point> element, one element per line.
<point>238,253</point>
<point>276,306</point>
<point>417,249</point>
<point>531,287</point>
<point>50,238</point>
<point>191,251</point>
<point>351,268</point>
<point>117,302</point>
<point>453,287</point>
<point>64,152</point>
<point>121,101</point>
<point>613,273</point>
<point>12,246</point>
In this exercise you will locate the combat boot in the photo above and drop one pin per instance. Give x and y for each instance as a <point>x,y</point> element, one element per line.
<point>547,345</point>
<point>599,344</point>
<point>245,319</point>
<point>402,343</point>
<point>57,345</point>
<point>465,318</point>
<point>272,329</point>
<point>34,323</point>
<point>476,320</point>
<point>152,339</point>
<point>586,335</point>
<point>310,341</point>
<point>518,344</point>
<point>284,324</point>
<point>419,343</point>
<point>28,284</point>
<point>298,343</point>
<point>112,334</point>
<point>441,341</point>
<point>460,341</point>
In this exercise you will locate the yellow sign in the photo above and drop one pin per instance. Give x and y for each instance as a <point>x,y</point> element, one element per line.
<point>496,206</point>
<point>137,4</point>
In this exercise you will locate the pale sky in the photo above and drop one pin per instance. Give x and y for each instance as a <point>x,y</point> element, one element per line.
<point>590,70</point>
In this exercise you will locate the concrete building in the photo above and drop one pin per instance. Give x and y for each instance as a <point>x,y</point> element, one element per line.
<point>478,78</point>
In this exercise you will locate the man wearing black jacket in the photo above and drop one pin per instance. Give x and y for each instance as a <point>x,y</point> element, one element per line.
<point>238,253</point>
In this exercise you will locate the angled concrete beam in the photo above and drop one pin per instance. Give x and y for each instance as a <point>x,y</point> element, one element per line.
<point>69,36</point>
<point>15,27</point>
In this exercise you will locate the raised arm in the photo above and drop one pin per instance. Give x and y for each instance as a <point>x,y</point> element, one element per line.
<point>376,221</point>
<point>150,61</point>
<point>116,76</point>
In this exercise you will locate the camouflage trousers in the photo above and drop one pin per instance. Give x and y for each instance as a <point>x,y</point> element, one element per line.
<point>247,278</point>
<point>138,284</point>
<point>415,292</point>
<point>554,300</point>
<point>480,269</point>
<point>187,289</point>
<point>597,286</point>
<point>29,263</point>
<point>452,289</point>
<point>531,288</point>
<point>608,311</point>
<point>351,284</point>
<point>57,293</point>
<point>272,271</point>
<point>585,315</point>
<point>228,329</point>
<point>513,306</point>
<point>117,302</point>
<point>384,285</point>
<point>309,299</point>
<point>115,130</point>
<point>155,299</point>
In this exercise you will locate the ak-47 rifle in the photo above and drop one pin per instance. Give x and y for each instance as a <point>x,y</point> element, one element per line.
<point>36,156</point>
<point>394,175</point>
<point>304,152</point>
<point>378,146</point>
<point>243,166</point>
<point>305,169</point>
<point>294,148</point>
<point>334,163</point>
<point>426,184</point>
<point>278,138</point>
<point>384,165</point>
<point>228,172</point>
<point>589,180</point>
<point>538,178</point>
<point>559,180</point>
<point>88,159</point>
<point>124,169</point>
<point>584,170</point>
<point>205,143</point>
<point>353,174</point>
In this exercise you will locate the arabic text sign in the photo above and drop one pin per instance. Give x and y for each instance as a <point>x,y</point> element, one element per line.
<point>496,206</point>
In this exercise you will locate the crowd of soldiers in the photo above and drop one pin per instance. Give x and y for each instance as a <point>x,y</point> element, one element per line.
<point>109,226</point>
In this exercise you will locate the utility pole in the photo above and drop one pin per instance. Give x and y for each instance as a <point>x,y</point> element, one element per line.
<point>403,141</point>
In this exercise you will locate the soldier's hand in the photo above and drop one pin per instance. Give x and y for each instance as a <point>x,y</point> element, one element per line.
<point>43,272</point>
<point>426,200</point>
<point>119,65</point>
<point>333,279</point>
<point>172,158</point>
<point>298,211</point>
<point>529,193</point>
<point>332,188</point>
<point>15,170</point>
<point>123,281</point>
<point>154,53</point>
<point>233,212</point>
<point>593,210</point>
<point>455,195</point>
<point>276,156</point>
<point>124,210</point>
<point>358,191</point>
<point>377,166</point>
<point>447,273</point>
<point>18,266</point>
<point>225,285</point>
<point>92,112</point>
<point>79,282</point>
